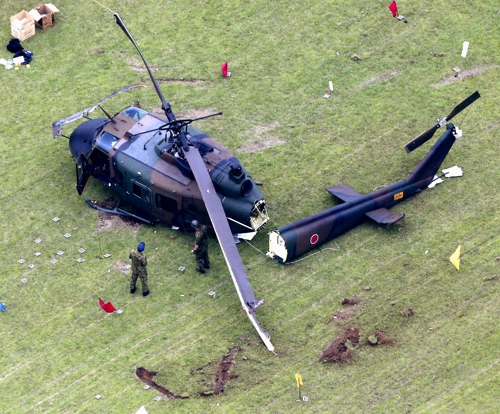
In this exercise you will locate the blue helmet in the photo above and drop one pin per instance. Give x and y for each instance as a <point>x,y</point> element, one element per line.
<point>195,224</point>
<point>141,246</point>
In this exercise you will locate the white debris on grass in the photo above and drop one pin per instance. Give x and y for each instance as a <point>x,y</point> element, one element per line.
<point>435,182</point>
<point>454,171</point>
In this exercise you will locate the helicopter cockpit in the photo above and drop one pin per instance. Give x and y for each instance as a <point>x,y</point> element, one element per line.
<point>135,113</point>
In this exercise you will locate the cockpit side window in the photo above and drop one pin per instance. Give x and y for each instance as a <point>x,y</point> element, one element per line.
<point>107,141</point>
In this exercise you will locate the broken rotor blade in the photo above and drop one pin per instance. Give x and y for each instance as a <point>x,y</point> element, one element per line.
<point>58,125</point>
<point>460,107</point>
<point>421,139</point>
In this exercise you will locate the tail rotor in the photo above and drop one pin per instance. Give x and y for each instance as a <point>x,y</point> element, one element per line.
<point>427,135</point>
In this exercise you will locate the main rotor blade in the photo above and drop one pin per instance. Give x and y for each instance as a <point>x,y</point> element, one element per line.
<point>165,105</point>
<point>421,139</point>
<point>57,126</point>
<point>460,107</point>
<point>226,241</point>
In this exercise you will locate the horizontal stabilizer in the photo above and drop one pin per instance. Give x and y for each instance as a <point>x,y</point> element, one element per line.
<point>344,192</point>
<point>385,216</point>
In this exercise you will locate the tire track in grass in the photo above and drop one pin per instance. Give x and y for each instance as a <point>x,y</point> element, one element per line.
<point>468,382</point>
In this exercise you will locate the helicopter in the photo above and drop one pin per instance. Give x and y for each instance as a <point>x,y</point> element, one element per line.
<point>295,239</point>
<point>169,171</point>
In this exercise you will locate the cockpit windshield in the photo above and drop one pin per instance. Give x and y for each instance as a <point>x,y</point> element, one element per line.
<point>135,113</point>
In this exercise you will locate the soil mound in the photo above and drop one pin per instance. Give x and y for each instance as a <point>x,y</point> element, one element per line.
<point>338,350</point>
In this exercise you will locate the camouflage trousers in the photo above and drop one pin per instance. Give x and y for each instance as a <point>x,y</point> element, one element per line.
<point>144,280</point>
<point>202,259</point>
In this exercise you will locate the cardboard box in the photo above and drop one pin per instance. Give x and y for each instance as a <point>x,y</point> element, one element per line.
<point>44,15</point>
<point>22,25</point>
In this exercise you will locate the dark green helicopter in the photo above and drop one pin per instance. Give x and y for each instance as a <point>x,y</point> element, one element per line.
<point>169,171</point>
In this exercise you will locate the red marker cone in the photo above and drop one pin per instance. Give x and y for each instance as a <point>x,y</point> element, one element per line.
<point>393,8</point>
<point>224,69</point>
<point>108,307</point>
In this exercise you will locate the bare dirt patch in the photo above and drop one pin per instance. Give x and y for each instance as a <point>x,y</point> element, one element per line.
<point>378,79</point>
<point>257,138</point>
<point>338,349</point>
<point>407,313</point>
<point>222,374</point>
<point>122,267</point>
<point>379,338</point>
<point>177,80</point>
<point>464,75</point>
<point>108,221</point>
<point>350,302</point>
<point>351,307</point>
<point>147,377</point>
<point>194,113</point>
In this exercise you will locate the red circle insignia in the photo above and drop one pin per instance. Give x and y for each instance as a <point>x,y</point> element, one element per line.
<point>314,239</point>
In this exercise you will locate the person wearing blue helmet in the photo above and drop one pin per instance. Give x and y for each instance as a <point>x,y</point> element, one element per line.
<point>139,263</point>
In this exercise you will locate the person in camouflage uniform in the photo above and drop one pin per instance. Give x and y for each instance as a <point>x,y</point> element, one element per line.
<point>201,247</point>
<point>139,263</point>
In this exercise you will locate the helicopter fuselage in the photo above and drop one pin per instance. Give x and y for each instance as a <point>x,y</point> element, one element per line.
<point>143,166</point>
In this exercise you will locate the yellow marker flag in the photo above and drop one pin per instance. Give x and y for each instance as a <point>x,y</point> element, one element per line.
<point>298,377</point>
<point>455,257</point>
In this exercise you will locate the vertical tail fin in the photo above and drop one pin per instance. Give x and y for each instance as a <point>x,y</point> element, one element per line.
<point>429,166</point>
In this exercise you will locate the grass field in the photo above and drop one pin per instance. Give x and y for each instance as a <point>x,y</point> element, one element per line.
<point>59,349</point>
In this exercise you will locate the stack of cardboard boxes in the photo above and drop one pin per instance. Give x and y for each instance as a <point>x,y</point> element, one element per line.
<point>23,23</point>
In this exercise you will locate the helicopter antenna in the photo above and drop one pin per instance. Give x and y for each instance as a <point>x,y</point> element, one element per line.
<point>108,115</point>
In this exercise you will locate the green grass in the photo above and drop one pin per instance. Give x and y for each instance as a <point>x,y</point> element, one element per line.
<point>59,349</point>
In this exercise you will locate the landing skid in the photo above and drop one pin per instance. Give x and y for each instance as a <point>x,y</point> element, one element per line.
<point>117,210</point>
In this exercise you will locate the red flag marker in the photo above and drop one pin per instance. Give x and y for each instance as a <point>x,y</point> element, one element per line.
<point>224,69</point>
<point>393,8</point>
<point>108,307</point>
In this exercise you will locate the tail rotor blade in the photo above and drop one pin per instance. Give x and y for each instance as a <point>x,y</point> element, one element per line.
<point>460,107</point>
<point>421,139</point>
<point>427,135</point>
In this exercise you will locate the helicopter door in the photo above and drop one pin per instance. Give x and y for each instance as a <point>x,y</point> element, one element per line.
<point>82,172</point>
